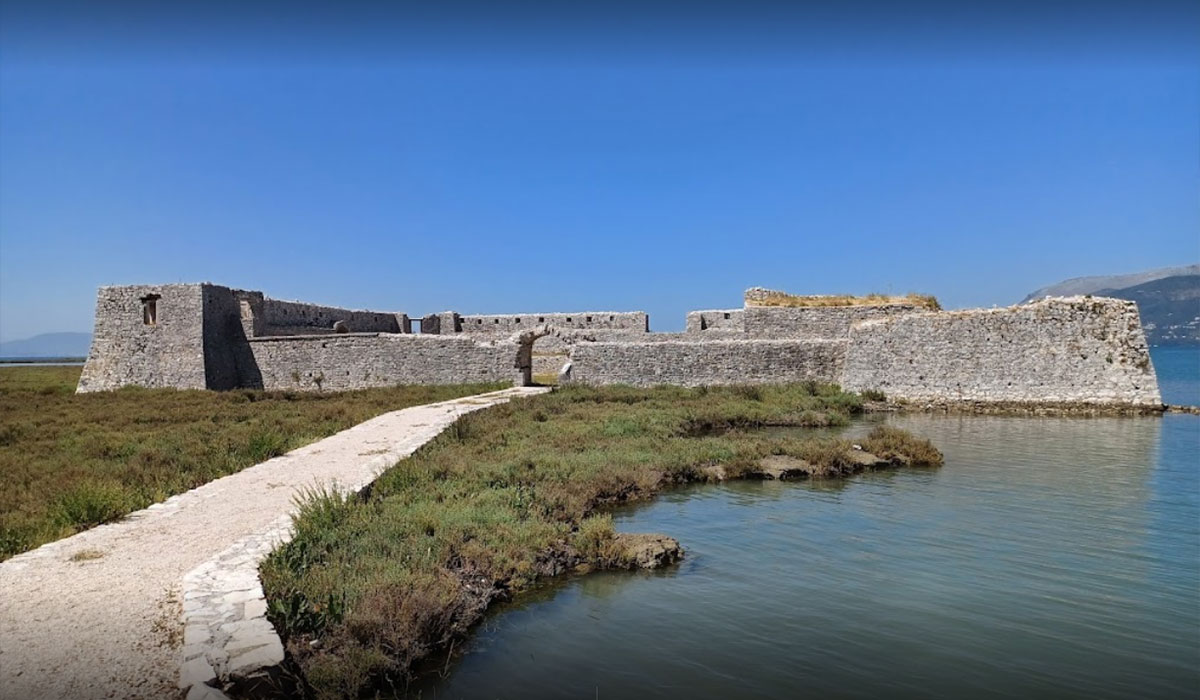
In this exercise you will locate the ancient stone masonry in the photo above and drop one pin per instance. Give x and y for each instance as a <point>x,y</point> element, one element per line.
<point>1074,350</point>
<point>151,336</point>
<point>263,317</point>
<point>359,360</point>
<point>813,322</point>
<point>507,324</point>
<point>551,353</point>
<point>196,336</point>
<point>707,363</point>
<point>1064,350</point>
<point>717,321</point>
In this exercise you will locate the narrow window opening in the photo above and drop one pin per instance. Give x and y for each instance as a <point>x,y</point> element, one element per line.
<point>589,319</point>
<point>726,317</point>
<point>150,309</point>
<point>568,319</point>
<point>496,321</point>
<point>610,318</point>
<point>541,319</point>
<point>516,320</point>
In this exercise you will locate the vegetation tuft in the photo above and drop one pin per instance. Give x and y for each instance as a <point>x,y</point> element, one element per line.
<point>372,584</point>
<point>874,395</point>
<point>71,461</point>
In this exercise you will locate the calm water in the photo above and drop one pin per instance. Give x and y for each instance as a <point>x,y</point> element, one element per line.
<point>1049,558</point>
<point>1178,370</point>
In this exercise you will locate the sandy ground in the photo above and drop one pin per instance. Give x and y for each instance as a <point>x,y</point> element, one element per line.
<point>97,615</point>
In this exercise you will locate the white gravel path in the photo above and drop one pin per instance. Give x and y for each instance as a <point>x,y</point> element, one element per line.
<point>97,615</point>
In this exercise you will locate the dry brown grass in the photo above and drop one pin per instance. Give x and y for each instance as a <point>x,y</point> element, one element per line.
<point>773,298</point>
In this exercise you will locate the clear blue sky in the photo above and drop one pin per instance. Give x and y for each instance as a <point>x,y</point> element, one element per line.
<point>616,158</point>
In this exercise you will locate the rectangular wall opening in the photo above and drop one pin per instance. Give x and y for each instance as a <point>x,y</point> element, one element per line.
<point>150,309</point>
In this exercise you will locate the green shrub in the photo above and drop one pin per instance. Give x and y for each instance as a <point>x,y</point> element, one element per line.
<point>92,503</point>
<point>510,495</point>
<point>266,444</point>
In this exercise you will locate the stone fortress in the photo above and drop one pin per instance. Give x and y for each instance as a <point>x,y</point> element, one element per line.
<point>1070,350</point>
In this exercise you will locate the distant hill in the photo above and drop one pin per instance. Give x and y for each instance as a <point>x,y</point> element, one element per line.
<point>48,345</point>
<point>1170,308</point>
<point>1092,285</point>
<point>1169,304</point>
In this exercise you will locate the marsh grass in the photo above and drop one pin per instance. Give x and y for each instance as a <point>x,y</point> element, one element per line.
<point>511,495</point>
<point>71,461</point>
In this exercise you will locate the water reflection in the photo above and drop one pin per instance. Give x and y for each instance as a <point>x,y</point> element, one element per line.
<point>1051,557</point>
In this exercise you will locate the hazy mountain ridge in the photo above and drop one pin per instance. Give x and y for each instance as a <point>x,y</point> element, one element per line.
<point>48,345</point>
<point>1094,284</point>
<point>1169,307</point>
<point>1169,304</point>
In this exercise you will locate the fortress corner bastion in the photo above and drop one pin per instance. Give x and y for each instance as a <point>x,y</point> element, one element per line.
<point>1073,350</point>
<point>1058,350</point>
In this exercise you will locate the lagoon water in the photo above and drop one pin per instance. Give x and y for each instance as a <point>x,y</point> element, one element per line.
<point>1178,370</point>
<point>1049,558</point>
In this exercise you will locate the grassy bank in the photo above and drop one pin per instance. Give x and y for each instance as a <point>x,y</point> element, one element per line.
<point>69,461</point>
<point>370,585</point>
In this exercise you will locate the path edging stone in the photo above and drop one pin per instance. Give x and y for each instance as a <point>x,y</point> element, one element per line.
<point>227,637</point>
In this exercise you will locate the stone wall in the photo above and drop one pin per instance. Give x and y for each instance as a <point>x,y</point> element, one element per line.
<point>549,353</point>
<point>507,324</point>
<point>271,317</point>
<point>730,320</point>
<point>195,336</point>
<point>147,335</point>
<point>691,363</point>
<point>357,361</point>
<point>228,363</point>
<point>814,321</point>
<point>1078,349</point>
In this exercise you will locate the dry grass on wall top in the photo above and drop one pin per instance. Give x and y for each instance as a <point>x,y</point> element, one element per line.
<point>372,584</point>
<point>71,461</point>
<point>783,299</point>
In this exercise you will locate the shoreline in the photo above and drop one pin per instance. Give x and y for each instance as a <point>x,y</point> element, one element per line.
<point>427,537</point>
<point>1021,408</point>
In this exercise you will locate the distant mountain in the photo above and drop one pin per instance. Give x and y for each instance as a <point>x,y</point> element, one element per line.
<point>1169,304</point>
<point>1169,307</point>
<point>1092,285</point>
<point>48,345</point>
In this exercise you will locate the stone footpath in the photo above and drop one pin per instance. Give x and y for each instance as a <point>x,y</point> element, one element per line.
<point>98,614</point>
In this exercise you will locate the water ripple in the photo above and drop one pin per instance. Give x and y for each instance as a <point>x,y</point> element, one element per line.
<point>1055,558</point>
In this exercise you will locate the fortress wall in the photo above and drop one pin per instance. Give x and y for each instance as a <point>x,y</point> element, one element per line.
<point>195,336</point>
<point>731,320</point>
<point>228,363</point>
<point>549,353</point>
<point>550,363</point>
<point>167,351</point>
<point>295,318</point>
<point>358,361</point>
<point>1075,349</point>
<point>507,324</point>
<point>707,363</point>
<point>814,321</point>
